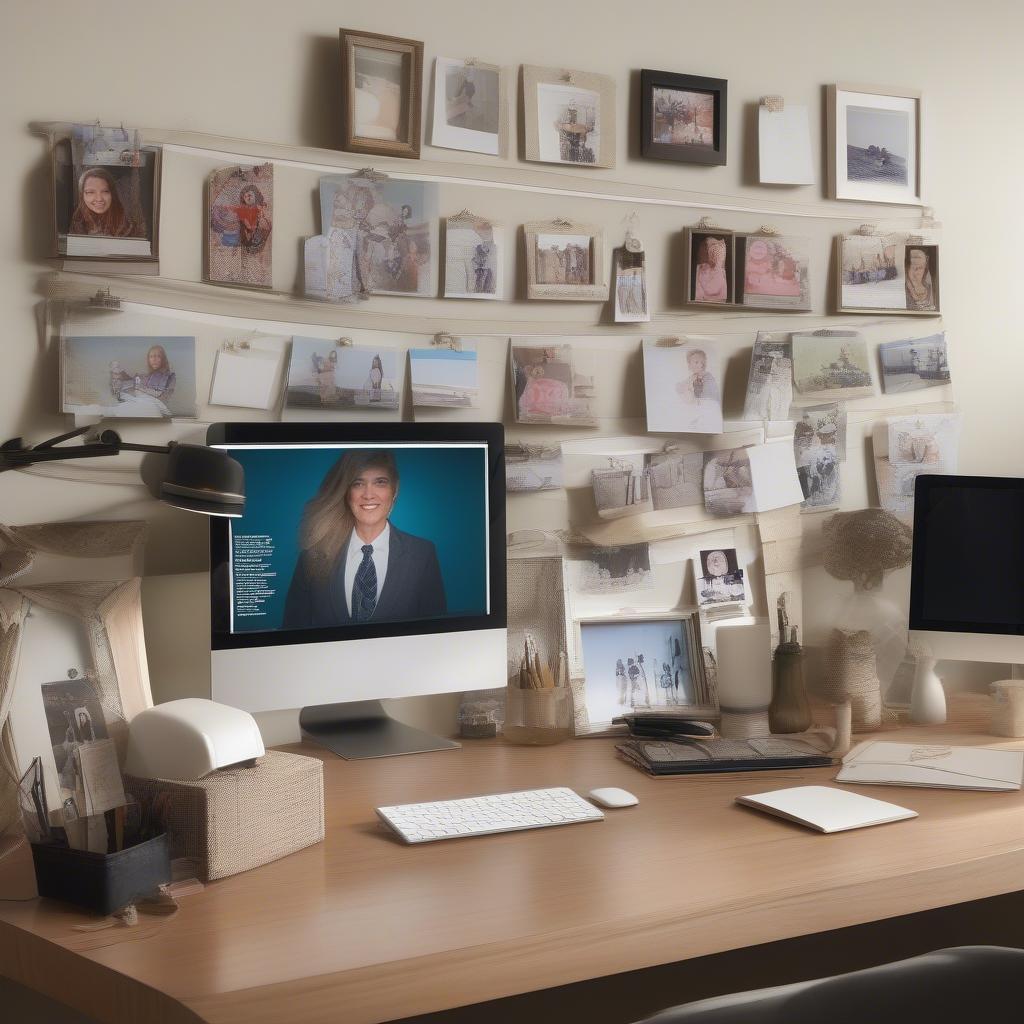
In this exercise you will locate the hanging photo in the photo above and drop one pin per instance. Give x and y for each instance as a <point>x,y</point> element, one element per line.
<point>552,384</point>
<point>470,105</point>
<point>623,488</point>
<point>472,258</point>
<point>874,151</point>
<point>831,364</point>
<point>240,220</point>
<point>710,269</point>
<point>630,287</point>
<point>887,272</point>
<point>773,272</point>
<point>533,467</point>
<point>611,570</point>
<point>728,484</point>
<point>914,365</point>
<point>682,384</point>
<point>381,79</point>
<point>816,451</point>
<point>569,117</point>
<point>565,260</point>
<point>677,479</point>
<point>719,579</point>
<point>916,445</point>
<point>444,377</point>
<point>770,382</point>
<point>328,376</point>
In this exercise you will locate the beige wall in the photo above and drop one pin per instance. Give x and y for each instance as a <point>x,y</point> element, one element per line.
<point>269,72</point>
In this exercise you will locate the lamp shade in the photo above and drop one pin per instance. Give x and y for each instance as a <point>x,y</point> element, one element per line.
<point>201,479</point>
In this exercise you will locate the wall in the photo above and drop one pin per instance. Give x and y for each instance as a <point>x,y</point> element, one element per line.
<point>260,73</point>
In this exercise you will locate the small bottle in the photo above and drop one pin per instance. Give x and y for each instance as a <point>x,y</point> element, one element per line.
<point>789,710</point>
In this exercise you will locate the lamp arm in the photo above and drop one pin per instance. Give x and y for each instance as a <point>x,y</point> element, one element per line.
<point>15,455</point>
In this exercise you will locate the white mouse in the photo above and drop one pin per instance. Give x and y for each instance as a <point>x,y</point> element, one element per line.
<point>612,796</point>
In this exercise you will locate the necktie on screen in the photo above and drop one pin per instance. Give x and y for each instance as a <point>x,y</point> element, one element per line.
<point>364,590</point>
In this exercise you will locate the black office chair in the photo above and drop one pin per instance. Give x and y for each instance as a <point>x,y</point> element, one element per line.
<point>949,986</point>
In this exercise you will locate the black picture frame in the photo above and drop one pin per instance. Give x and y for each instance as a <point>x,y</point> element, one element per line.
<point>689,153</point>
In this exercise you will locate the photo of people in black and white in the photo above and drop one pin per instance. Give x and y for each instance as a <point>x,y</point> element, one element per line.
<point>356,535</point>
<point>721,579</point>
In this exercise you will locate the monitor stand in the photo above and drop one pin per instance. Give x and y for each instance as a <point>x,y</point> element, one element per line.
<point>363,728</point>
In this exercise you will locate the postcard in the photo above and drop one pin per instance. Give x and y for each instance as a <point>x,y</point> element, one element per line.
<point>682,387</point>
<point>677,479</point>
<point>325,375</point>
<point>915,364</point>
<point>773,476</point>
<point>533,467</point>
<point>728,484</point>
<point>569,124</point>
<point>472,259</point>
<point>240,222</point>
<point>553,384</point>
<point>816,451</point>
<point>444,377</point>
<point>784,145</point>
<point>630,287</point>
<point>831,364</point>
<point>917,445</point>
<point>469,99</point>
<point>773,272</point>
<point>613,570</point>
<point>623,488</point>
<point>711,267</point>
<point>247,374</point>
<point>129,376</point>
<point>886,272</point>
<point>770,383</point>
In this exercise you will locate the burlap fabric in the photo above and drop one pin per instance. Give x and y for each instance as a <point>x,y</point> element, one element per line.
<point>851,674</point>
<point>860,546</point>
<point>235,820</point>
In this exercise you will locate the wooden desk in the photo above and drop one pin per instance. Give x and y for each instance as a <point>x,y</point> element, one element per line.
<point>365,927</point>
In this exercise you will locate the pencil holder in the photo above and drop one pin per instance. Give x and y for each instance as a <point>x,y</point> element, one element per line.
<point>537,717</point>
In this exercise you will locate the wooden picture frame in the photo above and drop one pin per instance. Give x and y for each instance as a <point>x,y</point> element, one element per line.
<point>701,145</point>
<point>876,168</point>
<point>920,297</point>
<point>540,283</point>
<point>400,59</point>
<point>586,138</point>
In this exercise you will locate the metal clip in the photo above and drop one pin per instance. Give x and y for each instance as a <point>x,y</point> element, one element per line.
<point>568,77</point>
<point>344,343</point>
<point>775,104</point>
<point>370,174</point>
<point>768,229</point>
<point>561,222</point>
<point>470,62</point>
<point>669,342</point>
<point>825,332</point>
<point>867,229</point>
<point>706,224</point>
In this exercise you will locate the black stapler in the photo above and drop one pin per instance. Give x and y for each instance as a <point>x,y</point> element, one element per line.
<point>663,725</point>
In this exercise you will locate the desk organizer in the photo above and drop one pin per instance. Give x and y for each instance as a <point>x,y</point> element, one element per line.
<point>237,819</point>
<point>103,882</point>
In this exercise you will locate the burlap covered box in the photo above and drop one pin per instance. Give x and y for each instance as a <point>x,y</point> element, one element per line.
<point>239,818</point>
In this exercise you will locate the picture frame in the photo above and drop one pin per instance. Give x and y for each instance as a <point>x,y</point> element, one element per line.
<point>568,117</point>
<point>874,143</point>
<point>662,660</point>
<point>674,113</point>
<point>470,106</point>
<point>888,273</point>
<point>565,273</point>
<point>373,119</point>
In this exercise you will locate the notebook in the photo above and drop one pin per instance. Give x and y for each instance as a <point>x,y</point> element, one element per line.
<point>826,809</point>
<point>933,765</point>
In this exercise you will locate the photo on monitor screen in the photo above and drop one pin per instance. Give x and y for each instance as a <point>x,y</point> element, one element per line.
<point>359,534</point>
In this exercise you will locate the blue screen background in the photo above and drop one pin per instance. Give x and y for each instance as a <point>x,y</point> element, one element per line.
<point>442,496</point>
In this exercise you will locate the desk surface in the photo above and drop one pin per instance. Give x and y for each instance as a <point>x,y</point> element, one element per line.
<point>384,930</point>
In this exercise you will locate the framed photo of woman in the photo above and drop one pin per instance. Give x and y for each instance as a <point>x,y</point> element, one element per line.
<point>382,86</point>
<point>683,117</point>
<point>874,144</point>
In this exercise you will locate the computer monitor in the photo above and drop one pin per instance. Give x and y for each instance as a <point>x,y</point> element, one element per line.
<point>967,576</point>
<point>369,563</point>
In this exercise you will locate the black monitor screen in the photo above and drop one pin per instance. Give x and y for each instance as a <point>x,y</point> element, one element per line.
<point>968,563</point>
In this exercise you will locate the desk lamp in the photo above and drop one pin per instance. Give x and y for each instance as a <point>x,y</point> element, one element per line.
<point>197,478</point>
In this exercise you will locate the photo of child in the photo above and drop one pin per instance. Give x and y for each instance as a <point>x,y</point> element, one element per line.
<point>682,387</point>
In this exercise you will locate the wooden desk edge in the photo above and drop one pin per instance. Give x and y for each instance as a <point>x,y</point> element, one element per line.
<point>443,981</point>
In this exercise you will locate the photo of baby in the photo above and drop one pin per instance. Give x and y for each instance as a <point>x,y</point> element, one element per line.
<point>773,272</point>
<point>549,386</point>
<point>682,387</point>
<point>710,268</point>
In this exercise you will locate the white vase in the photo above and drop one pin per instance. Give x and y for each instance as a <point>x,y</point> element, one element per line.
<point>928,701</point>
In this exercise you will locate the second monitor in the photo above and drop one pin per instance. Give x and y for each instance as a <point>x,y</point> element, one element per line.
<point>369,563</point>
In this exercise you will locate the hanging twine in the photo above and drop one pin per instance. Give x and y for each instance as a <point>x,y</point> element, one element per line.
<point>851,674</point>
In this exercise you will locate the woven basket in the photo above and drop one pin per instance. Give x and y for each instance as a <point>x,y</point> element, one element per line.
<point>238,819</point>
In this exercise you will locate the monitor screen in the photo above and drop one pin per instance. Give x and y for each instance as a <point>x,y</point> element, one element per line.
<point>363,536</point>
<point>968,561</point>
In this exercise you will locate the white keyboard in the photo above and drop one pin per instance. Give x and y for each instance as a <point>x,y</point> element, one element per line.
<point>485,815</point>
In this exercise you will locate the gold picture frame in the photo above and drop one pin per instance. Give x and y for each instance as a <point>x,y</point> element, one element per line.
<point>373,119</point>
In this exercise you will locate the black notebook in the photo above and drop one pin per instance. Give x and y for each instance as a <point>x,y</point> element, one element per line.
<point>686,755</point>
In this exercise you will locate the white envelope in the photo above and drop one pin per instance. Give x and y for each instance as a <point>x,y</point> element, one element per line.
<point>934,765</point>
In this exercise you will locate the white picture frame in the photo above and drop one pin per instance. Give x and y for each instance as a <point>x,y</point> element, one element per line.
<point>469,130</point>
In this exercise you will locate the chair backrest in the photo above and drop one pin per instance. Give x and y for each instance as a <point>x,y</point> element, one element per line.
<point>949,986</point>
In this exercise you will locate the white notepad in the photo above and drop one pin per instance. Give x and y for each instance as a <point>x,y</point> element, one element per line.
<point>826,809</point>
<point>933,765</point>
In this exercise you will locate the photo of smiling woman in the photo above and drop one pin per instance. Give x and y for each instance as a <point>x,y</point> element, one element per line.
<point>354,566</point>
<point>100,210</point>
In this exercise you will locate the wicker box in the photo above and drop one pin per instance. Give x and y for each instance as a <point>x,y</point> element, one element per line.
<point>237,819</point>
